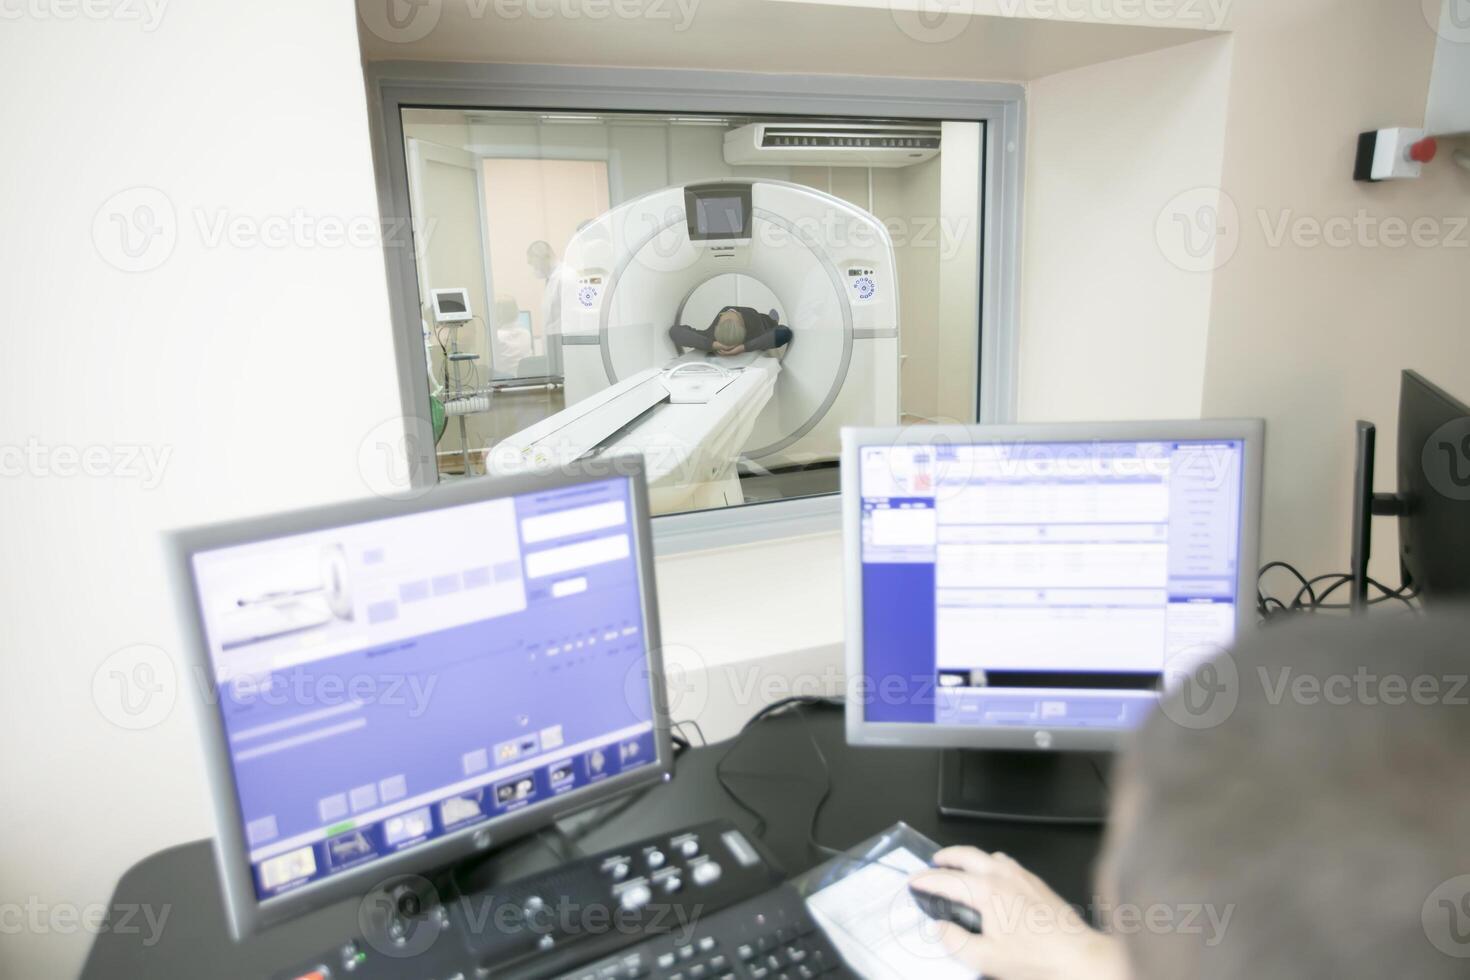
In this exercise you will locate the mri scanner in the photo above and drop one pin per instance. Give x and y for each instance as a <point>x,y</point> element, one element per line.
<point>679,255</point>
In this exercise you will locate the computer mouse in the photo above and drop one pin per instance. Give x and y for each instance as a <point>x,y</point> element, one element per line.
<point>944,910</point>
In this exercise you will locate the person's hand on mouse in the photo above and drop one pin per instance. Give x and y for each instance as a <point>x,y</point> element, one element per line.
<point>1029,932</point>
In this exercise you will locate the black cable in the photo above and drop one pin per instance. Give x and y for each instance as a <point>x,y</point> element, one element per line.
<point>698,730</point>
<point>775,707</point>
<point>1319,601</point>
<point>1337,579</point>
<point>1308,599</point>
<point>1306,585</point>
<point>1404,594</point>
<point>811,828</point>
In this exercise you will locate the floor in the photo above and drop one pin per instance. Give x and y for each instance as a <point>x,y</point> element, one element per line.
<point>809,481</point>
<point>511,410</point>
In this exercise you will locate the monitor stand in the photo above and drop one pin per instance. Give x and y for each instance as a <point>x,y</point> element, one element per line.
<point>1057,788</point>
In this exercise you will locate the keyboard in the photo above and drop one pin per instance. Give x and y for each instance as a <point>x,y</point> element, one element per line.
<point>698,904</point>
<point>768,937</point>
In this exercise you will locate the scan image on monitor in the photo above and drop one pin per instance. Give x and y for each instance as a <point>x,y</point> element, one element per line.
<point>392,684</point>
<point>1016,587</point>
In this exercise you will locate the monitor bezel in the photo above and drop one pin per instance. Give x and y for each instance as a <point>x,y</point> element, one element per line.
<point>248,914</point>
<point>697,192</point>
<point>448,316</point>
<point>861,731</point>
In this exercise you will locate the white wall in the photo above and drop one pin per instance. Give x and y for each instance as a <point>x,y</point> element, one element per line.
<point>720,675</point>
<point>1312,335</point>
<point>1258,130</point>
<point>912,192</point>
<point>959,289</point>
<point>256,371</point>
<point>1113,326</point>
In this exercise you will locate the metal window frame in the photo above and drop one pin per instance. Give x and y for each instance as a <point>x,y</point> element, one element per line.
<point>397,85</point>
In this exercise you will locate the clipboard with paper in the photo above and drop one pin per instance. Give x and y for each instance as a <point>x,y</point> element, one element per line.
<point>862,902</point>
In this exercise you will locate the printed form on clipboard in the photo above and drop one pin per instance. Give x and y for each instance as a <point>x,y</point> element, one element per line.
<point>864,906</point>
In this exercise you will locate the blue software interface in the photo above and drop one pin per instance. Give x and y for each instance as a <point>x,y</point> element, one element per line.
<point>386,683</point>
<point>1044,584</point>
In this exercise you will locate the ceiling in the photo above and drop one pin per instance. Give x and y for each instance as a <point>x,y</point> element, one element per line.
<point>783,36</point>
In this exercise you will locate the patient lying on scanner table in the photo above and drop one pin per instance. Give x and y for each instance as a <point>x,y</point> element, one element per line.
<point>735,330</point>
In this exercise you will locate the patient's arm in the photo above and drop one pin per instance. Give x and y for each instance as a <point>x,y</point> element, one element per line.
<point>763,341</point>
<point>777,336</point>
<point>686,336</point>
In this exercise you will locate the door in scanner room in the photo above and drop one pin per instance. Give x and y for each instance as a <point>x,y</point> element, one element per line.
<point>444,191</point>
<point>532,210</point>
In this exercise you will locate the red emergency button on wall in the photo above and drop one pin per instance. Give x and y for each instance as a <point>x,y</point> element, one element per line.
<point>1424,150</point>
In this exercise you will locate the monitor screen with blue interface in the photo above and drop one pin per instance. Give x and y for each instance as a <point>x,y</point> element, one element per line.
<point>1043,584</point>
<point>386,684</point>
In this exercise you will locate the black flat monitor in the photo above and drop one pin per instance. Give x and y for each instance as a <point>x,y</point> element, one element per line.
<point>718,213</point>
<point>1433,490</point>
<point>394,685</point>
<point>1363,505</point>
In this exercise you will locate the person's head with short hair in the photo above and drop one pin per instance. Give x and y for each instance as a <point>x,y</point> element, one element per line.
<point>542,258</point>
<point>507,311</point>
<point>730,329</point>
<point>1311,817</point>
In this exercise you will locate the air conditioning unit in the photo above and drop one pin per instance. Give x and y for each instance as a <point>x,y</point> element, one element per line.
<point>837,144</point>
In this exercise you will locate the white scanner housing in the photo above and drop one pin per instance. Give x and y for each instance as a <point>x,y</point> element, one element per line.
<point>679,255</point>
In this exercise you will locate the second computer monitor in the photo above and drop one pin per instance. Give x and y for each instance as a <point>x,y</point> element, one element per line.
<point>1035,586</point>
<point>392,685</point>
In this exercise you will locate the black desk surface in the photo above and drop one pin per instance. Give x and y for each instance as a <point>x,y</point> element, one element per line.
<point>775,770</point>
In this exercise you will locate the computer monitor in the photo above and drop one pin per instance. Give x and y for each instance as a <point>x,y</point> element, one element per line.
<point>392,685</point>
<point>1433,490</point>
<point>1365,443</point>
<point>1432,503</point>
<point>451,305</point>
<point>1033,586</point>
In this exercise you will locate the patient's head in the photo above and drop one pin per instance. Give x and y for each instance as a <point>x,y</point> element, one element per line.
<point>1320,816</point>
<point>730,329</point>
